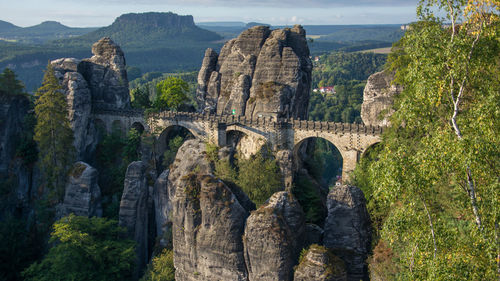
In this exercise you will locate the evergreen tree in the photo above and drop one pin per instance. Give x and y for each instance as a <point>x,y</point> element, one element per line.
<point>9,85</point>
<point>53,133</point>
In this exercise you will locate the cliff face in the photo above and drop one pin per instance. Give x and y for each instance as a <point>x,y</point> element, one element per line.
<point>98,82</point>
<point>208,221</point>
<point>263,72</point>
<point>378,98</point>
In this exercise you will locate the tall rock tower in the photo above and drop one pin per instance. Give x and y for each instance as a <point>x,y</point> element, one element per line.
<point>261,73</point>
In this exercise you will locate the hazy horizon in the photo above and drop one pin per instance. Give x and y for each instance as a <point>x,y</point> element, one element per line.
<point>97,13</point>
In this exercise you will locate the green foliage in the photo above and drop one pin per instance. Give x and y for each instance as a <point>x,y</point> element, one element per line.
<point>26,148</point>
<point>85,249</point>
<point>171,93</point>
<point>436,176</point>
<point>140,97</point>
<point>348,73</point>
<point>309,197</point>
<point>161,268</point>
<point>259,177</point>
<point>53,133</point>
<point>113,155</point>
<point>170,153</point>
<point>9,85</point>
<point>19,246</point>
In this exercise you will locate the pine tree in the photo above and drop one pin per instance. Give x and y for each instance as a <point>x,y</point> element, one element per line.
<point>53,133</point>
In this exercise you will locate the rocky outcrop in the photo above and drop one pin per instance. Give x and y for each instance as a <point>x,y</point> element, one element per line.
<point>208,220</point>
<point>99,82</point>
<point>162,206</point>
<point>106,75</point>
<point>378,98</point>
<point>134,210</point>
<point>274,234</point>
<point>319,264</point>
<point>263,72</point>
<point>347,229</point>
<point>82,194</point>
<point>13,110</point>
<point>79,102</point>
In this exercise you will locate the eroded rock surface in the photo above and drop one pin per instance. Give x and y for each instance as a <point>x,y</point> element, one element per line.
<point>208,220</point>
<point>106,75</point>
<point>83,194</point>
<point>134,208</point>
<point>262,72</point>
<point>378,98</point>
<point>347,229</point>
<point>319,264</point>
<point>274,235</point>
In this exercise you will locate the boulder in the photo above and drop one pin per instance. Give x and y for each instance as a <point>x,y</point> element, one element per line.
<point>134,211</point>
<point>208,220</point>
<point>274,236</point>
<point>348,230</point>
<point>262,72</point>
<point>378,98</point>
<point>82,194</point>
<point>320,264</point>
<point>106,75</point>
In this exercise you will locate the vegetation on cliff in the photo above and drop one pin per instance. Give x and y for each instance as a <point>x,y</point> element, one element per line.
<point>53,133</point>
<point>434,185</point>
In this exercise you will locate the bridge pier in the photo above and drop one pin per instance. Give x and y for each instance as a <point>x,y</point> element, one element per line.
<point>350,159</point>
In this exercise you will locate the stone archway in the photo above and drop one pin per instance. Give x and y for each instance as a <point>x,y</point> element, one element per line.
<point>245,141</point>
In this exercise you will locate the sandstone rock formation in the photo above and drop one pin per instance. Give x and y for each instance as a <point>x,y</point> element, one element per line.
<point>263,72</point>
<point>13,110</point>
<point>83,195</point>
<point>378,98</point>
<point>96,83</point>
<point>79,101</point>
<point>347,229</point>
<point>208,220</point>
<point>319,264</point>
<point>274,235</point>
<point>162,206</point>
<point>106,75</point>
<point>133,213</point>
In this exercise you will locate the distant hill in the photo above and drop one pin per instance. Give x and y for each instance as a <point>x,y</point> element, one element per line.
<point>41,33</point>
<point>147,29</point>
<point>163,42</point>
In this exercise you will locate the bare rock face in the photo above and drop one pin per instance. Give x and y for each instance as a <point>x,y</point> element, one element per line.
<point>378,98</point>
<point>347,229</point>
<point>13,110</point>
<point>263,72</point>
<point>208,220</point>
<point>83,195</point>
<point>79,101</point>
<point>106,75</point>
<point>162,206</point>
<point>274,234</point>
<point>319,264</point>
<point>134,209</point>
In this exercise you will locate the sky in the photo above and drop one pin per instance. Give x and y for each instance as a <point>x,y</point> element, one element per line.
<point>93,13</point>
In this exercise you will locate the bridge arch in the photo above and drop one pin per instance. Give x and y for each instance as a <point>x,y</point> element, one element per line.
<point>138,126</point>
<point>247,141</point>
<point>117,126</point>
<point>334,159</point>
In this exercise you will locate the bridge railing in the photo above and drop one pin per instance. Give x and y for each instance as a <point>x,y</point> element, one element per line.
<point>273,123</point>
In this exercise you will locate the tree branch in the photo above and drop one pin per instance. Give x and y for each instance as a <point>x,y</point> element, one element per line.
<point>432,228</point>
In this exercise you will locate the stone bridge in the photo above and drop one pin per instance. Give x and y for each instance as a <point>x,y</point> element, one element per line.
<point>352,140</point>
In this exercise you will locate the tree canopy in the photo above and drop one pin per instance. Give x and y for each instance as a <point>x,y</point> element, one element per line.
<point>9,85</point>
<point>53,132</point>
<point>435,180</point>
<point>85,249</point>
<point>171,93</point>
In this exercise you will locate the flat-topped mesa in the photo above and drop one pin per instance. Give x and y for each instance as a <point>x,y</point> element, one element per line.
<point>262,72</point>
